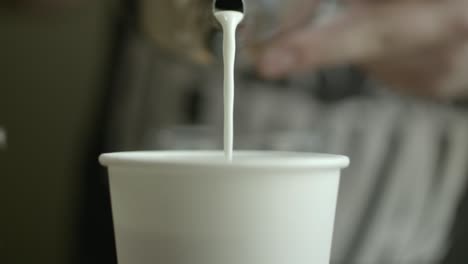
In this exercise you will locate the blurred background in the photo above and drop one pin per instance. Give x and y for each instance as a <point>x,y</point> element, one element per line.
<point>56,64</point>
<point>80,77</point>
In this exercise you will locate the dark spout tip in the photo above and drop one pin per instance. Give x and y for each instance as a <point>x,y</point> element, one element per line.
<point>232,5</point>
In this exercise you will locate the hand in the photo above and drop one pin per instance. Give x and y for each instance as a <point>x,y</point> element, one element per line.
<point>418,46</point>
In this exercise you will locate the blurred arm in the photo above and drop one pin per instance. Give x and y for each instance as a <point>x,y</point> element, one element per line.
<point>182,27</point>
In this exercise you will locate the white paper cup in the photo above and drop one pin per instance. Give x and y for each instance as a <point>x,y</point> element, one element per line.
<point>193,207</point>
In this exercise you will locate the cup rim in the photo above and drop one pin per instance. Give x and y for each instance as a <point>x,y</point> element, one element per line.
<point>215,159</point>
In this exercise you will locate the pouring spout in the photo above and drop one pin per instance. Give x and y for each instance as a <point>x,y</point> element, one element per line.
<point>231,5</point>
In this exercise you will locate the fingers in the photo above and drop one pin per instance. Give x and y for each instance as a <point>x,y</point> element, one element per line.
<point>365,34</point>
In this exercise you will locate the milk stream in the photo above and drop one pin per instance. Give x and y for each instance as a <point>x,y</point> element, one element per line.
<point>229,21</point>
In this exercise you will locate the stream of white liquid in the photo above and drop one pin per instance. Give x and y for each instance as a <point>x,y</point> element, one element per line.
<point>229,21</point>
